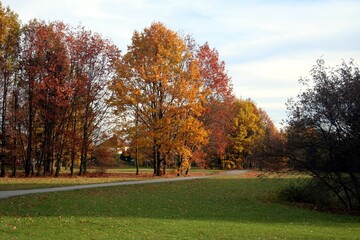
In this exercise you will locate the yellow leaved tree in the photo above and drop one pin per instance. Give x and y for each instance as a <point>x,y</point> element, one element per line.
<point>248,130</point>
<point>9,49</point>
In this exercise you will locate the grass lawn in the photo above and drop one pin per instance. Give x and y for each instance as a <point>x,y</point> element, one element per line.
<point>217,208</point>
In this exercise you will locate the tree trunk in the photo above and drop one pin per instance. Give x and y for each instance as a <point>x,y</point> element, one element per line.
<point>83,159</point>
<point>154,157</point>
<point>136,159</point>
<point>40,161</point>
<point>137,145</point>
<point>158,160</point>
<point>15,113</point>
<point>164,166</point>
<point>48,148</point>
<point>57,172</point>
<point>60,152</point>
<point>14,159</point>
<point>2,162</point>
<point>3,127</point>
<point>29,151</point>
<point>85,142</point>
<point>73,149</point>
<point>84,152</point>
<point>52,163</point>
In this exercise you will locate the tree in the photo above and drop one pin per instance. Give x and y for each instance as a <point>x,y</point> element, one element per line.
<point>323,130</point>
<point>159,84</point>
<point>44,74</point>
<point>29,74</point>
<point>218,91</point>
<point>268,151</point>
<point>247,130</point>
<point>93,60</point>
<point>9,48</point>
<point>52,92</point>
<point>63,88</point>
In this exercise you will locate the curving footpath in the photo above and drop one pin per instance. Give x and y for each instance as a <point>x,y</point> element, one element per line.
<point>7,194</point>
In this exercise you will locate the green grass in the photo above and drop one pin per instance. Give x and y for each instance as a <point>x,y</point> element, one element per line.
<point>218,208</point>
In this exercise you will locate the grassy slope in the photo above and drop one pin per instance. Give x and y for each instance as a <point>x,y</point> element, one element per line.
<point>219,208</point>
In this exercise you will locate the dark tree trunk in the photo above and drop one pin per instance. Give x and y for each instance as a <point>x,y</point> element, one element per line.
<point>158,162</point>
<point>137,160</point>
<point>29,151</point>
<point>84,152</point>
<point>3,125</point>
<point>14,159</point>
<point>15,113</point>
<point>154,157</point>
<point>58,165</point>
<point>73,149</point>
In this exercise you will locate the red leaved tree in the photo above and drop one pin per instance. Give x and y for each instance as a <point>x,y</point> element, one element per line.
<point>45,67</point>
<point>92,67</point>
<point>216,118</point>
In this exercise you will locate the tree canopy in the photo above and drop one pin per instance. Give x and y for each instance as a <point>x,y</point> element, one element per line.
<point>323,129</point>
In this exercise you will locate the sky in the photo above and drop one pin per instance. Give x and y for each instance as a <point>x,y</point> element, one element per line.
<point>267,45</point>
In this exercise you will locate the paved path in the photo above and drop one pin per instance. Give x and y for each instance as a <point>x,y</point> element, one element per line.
<point>7,194</point>
<point>234,172</point>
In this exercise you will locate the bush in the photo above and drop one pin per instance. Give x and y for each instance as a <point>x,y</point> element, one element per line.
<point>310,191</point>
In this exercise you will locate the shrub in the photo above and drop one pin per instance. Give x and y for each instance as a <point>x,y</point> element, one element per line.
<point>310,191</point>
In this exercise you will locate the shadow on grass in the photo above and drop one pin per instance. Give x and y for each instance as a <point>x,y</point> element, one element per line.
<point>218,199</point>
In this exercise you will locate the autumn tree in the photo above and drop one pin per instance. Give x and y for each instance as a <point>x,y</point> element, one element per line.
<point>159,85</point>
<point>247,130</point>
<point>63,78</point>
<point>52,93</point>
<point>9,48</point>
<point>29,72</point>
<point>43,76</point>
<point>105,153</point>
<point>218,91</point>
<point>93,61</point>
<point>268,151</point>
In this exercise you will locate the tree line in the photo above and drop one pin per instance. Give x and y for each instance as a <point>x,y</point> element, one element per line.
<point>53,93</point>
<point>168,98</point>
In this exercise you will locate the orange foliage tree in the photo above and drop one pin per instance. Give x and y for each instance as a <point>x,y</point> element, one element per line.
<point>159,89</point>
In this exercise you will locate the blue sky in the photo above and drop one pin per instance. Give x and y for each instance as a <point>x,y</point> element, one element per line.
<point>267,45</point>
